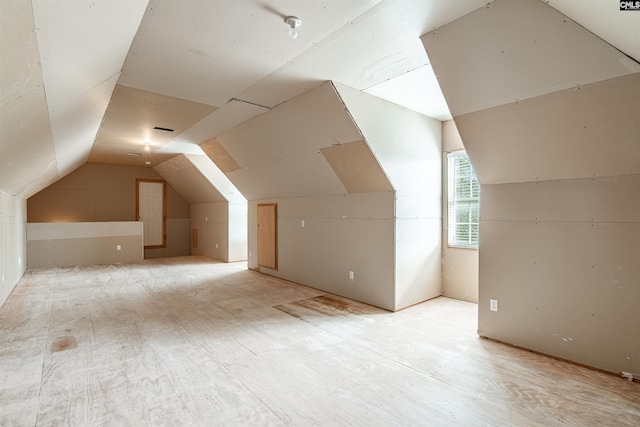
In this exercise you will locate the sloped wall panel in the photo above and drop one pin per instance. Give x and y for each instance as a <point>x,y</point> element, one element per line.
<point>356,167</point>
<point>82,49</point>
<point>303,175</point>
<point>27,155</point>
<point>278,151</point>
<point>219,155</point>
<point>509,51</point>
<point>188,181</point>
<point>586,131</point>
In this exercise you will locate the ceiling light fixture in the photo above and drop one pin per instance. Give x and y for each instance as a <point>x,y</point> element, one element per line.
<point>294,22</point>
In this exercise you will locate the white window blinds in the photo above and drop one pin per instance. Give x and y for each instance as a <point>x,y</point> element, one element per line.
<point>464,202</point>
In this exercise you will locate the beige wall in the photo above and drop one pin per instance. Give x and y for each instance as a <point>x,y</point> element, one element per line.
<point>460,266</point>
<point>549,117</point>
<point>368,190</point>
<point>562,258</point>
<point>222,230</point>
<point>82,243</point>
<point>408,147</point>
<point>559,233</point>
<point>13,244</point>
<point>99,193</point>
<point>342,233</point>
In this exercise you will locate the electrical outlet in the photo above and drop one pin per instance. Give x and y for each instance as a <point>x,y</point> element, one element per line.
<point>216,246</point>
<point>206,219</point>
<point>351,275</point>
<point>302,223</point>
<point>493,304</point>
<point>118,247</point>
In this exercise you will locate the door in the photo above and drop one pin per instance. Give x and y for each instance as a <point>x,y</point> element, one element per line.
<point>151,209</point>
<point>268,235</point>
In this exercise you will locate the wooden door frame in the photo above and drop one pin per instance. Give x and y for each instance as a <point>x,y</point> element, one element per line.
<point>164,209</point>
<point>275,237</point>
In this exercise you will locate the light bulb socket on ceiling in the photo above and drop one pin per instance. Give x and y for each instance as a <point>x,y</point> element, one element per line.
<point>293,22</point>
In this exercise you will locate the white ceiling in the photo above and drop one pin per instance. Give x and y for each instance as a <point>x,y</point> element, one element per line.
<point>233,56</point>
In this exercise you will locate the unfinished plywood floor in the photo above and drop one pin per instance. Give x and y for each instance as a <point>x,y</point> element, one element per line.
<point>187,341</point>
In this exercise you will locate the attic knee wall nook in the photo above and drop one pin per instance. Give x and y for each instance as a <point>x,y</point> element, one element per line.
<point>548,115</point>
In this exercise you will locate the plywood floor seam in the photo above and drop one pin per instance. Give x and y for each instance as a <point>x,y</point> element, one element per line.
<point>192,342</point>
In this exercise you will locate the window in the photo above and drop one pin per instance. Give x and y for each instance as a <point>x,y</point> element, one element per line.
<point>464,202</point>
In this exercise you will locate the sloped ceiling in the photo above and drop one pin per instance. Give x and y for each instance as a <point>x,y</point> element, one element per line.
<point>278,154</point>
<point>238,58</point>
<point>61,61</point>
<point>621,29</point>
<point>199,180</point>
<point>514,50</point>
<point>139,126</point>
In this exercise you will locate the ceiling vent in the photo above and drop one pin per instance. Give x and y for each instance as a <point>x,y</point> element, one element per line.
<point>163,129</point>
<point>130,153</point>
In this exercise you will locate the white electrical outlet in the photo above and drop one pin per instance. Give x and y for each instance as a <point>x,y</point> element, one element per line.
<point>118,247</point>
<point>351,275</point>
<point>493,304</point>
<point>216,246</point>
<point>206,219</point>
<point>302,223</point>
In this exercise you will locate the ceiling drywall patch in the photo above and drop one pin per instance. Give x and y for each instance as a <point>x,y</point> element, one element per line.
<point>356,167</point>
<point>219,155</point>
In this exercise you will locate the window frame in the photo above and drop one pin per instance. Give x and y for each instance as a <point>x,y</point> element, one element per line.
<point>472,202</point>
